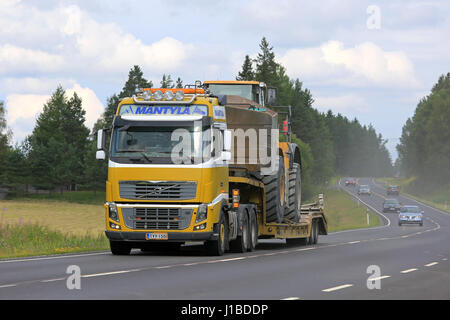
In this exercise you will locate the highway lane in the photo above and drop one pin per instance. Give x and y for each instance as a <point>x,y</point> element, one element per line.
<point>336,268</point>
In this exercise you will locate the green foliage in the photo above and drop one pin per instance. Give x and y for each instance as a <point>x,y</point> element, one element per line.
<point>58,142</point>
<point>424,148</point>
<point>167,82</point>
<point>247,73</point>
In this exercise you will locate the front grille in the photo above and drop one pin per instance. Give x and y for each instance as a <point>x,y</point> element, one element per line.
<point>157,190</point>
<point>157,218</point>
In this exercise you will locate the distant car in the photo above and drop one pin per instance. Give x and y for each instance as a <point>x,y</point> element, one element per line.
<point>350,182</point>
<point>393,190</point>
<point>410,215</point>
<point>364,189</point>
<point>391,205</point>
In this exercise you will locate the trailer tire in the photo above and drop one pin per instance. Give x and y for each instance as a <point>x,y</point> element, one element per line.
<point>316,231</point>
<point>253,234</point>
<point>274,186</point>
<point>241,243</point>
<point>119,248</point>
<point>294,194</point>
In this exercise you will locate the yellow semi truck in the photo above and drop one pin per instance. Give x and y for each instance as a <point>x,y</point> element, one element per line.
<point>204,163</point>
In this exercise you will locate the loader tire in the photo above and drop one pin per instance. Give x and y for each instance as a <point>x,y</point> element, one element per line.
<point>295,194</point>
<point>274,186</point>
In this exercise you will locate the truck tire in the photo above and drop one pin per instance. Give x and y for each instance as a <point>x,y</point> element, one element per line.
<point>253,239</point>
<point>241,243</point>
<point>274,186</point>
<point>119,248</point>
<point>217,247</point>
<point>294,194</point>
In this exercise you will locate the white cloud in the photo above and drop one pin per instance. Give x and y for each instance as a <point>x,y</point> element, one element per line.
<point>23,109</point>
<point>66,39</point>
<point>365,64</point>
<point>16,59</point>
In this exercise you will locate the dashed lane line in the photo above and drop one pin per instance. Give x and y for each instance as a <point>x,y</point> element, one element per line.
<point>338,288</point>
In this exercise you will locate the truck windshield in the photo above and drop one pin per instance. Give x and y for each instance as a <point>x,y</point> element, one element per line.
<point>243,90</point>
<point>169,145</point>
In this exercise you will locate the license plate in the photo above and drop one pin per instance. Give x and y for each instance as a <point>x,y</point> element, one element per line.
<point>156,236</point>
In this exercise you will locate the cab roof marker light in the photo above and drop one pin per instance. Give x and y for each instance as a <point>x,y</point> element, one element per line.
<point>179,95</point>
<point>157,95</point>
<point>169,95</point>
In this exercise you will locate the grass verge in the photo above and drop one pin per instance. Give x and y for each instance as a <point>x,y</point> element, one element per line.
<point>343,213</point>
<point>28,239</point>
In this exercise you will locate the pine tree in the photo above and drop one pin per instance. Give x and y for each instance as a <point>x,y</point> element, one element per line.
<point>135,80</point>
<point>179,83</point>
<point>167,82</point>
<point>266,67</point>
<point>58,142</point>
<point>247,73</point>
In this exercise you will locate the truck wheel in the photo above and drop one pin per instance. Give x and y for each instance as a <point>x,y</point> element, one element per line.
<point>241,243</point>
<point>119,248</point>
<point>274,186</point>
<point>295,194</point>
<point>217,247</point>
<point>253,239</point>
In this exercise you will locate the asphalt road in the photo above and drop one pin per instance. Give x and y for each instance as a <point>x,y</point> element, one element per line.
<point>407,262</point>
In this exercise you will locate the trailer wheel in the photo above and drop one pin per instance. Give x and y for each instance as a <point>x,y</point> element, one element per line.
<point>119,248</point>
<point>316,232</point>
<point>274,188</point>
<point>253,239</point>
<point>241,243</point>
<point>217,247</point>
<point>294,194</point>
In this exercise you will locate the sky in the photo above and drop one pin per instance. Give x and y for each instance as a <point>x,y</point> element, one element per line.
<point>370,60</point>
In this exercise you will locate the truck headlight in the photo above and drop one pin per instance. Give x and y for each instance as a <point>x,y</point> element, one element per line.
<point>202,213</point>
<point>113,213</point>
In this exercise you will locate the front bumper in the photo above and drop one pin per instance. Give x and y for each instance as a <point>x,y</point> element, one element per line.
<point>139,236</point>
<point>407,221</point>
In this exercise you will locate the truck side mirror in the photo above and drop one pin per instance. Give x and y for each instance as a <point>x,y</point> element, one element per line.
<point>101,142</point>
<point>227,140</point>
<point>271,97</point>
<point>226,156</point>
<point>100,155</point>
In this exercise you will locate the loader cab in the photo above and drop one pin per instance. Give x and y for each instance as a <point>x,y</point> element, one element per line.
<point>252,90</point>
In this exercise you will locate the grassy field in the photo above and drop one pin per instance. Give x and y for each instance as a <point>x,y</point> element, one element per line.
<point>343,213</point>
<point>439,199</point>
<point>55,224</point>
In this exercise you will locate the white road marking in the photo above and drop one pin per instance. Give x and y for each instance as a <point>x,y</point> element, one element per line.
<point>431,264</point>
<point>338,288</point>
<point>55,257</point>
<point>52,280</point>
<point>353,242</point>
<point>379,278</point>
<point>231,259</point>
<point>108,273</point>
<point>291,298</point>
<point>409,270</point>
<point>8,286</point>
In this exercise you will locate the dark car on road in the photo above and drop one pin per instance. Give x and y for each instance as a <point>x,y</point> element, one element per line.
<point>350,182</point>
<point>393,190</point>
<point>410,215</point>
<point>364,189</point>
<point>391,205</point>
